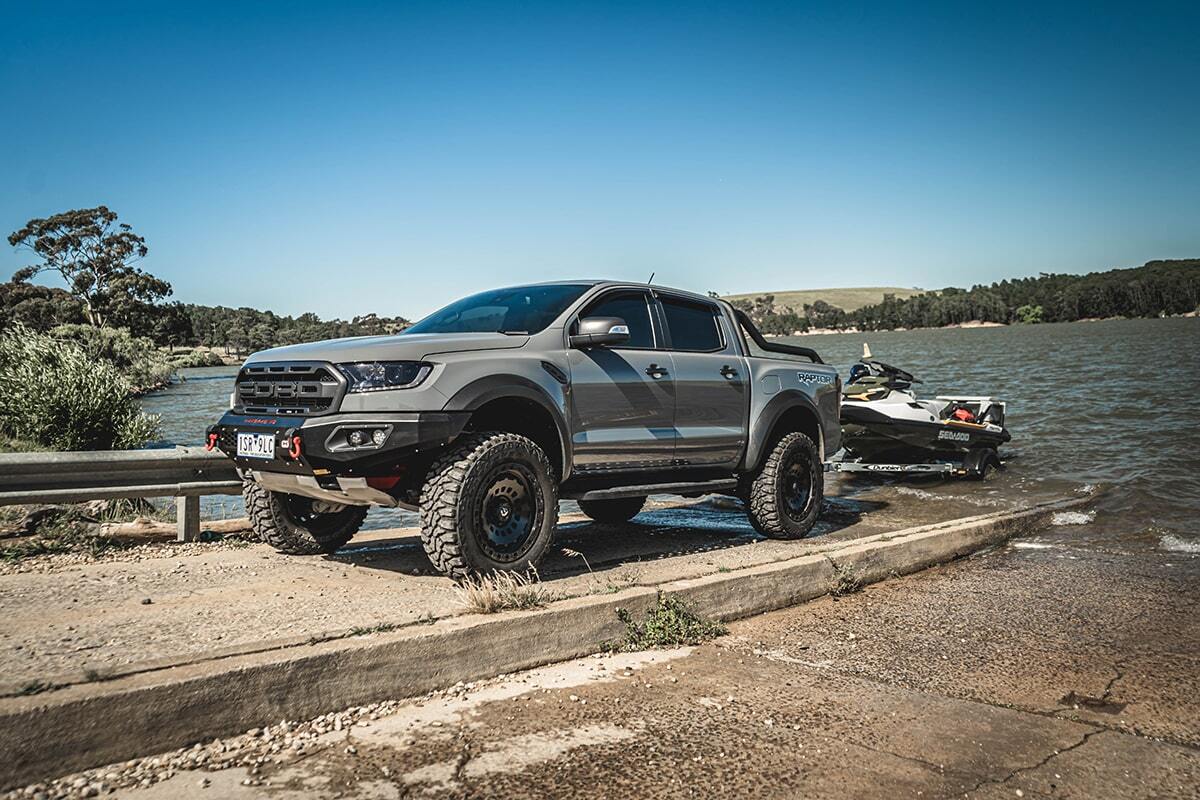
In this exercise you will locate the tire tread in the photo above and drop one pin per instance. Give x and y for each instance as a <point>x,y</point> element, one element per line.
<point>273,528</point>
<point>439,504</point>
<point>762,495</point>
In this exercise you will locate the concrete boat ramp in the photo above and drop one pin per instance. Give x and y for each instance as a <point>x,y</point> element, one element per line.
<point>138,653</point>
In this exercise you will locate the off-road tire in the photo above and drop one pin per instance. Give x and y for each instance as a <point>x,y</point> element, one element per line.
<point>457,487</point>
<point>273,518</point>
<point>767,493</point>
<point>615,510</point>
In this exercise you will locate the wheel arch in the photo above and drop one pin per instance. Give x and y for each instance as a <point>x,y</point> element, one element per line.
<point>517,405</point>
<point>786,412</point>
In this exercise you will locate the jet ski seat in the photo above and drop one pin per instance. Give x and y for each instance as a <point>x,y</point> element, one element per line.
<point>867,387</point>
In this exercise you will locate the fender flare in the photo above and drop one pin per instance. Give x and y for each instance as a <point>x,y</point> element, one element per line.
<point>762,426</point>
<point>478,393</point>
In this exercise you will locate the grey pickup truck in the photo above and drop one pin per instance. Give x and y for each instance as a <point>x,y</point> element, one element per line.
<point>483,415</point>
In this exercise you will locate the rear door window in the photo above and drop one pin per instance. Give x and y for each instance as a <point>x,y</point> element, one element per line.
<point>692,327</point>
<point>634,308</point>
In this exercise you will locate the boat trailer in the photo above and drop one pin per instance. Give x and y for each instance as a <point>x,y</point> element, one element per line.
<point>975,465</point>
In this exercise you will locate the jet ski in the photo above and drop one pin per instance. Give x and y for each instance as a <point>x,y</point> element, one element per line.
<point>883,422</point>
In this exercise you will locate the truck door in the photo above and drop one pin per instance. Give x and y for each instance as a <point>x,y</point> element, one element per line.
<point>711,383</point>
<point>623,397</point>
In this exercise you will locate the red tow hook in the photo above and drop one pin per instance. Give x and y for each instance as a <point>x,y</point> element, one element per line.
<point>212,441</point>
<point>294,452</point>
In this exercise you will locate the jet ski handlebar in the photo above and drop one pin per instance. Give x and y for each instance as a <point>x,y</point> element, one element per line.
<point>892,372</point>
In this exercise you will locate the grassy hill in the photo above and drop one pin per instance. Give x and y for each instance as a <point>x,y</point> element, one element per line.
<point>845,299</point>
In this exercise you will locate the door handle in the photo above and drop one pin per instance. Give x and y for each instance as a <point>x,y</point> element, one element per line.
<point>655,371</point>
<point>729,372</point>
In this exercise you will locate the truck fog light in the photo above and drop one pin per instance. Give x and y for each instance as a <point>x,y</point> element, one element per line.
<point>379,436</point>
<point>357,438</point>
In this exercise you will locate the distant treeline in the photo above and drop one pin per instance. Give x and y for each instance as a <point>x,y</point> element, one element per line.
<point>96,257</point>
<point>1155,289</point>
<point>248,329</point>
<point>237,330</point>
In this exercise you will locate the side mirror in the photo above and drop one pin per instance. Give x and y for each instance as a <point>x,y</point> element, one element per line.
<point>600,332</point>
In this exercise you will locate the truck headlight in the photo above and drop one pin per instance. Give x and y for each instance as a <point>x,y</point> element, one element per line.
<point>374,376</point>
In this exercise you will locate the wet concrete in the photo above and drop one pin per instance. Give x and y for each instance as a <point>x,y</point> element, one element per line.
<point>73,624</point>
<point>1035,670</point>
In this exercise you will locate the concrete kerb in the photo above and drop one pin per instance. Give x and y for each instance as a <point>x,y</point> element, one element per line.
<point>769,587</point>
<point>92,724</point>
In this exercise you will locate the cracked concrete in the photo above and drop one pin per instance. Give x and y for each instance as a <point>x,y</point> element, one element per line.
<point>1020,770</point>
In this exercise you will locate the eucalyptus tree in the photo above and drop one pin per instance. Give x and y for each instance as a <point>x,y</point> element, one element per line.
<point>94,254</point>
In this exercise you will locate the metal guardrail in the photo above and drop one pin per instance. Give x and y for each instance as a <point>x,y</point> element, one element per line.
<point>185,473</point>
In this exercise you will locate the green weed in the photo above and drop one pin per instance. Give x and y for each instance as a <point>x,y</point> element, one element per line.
<point>669,623</point>
<point>845,581</point>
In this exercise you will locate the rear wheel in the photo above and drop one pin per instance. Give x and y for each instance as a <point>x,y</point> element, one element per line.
<point>618,509</point>
<point>784,498</point>
<point>300,525</point>
<point>489,504</point>
<point>980,462</point>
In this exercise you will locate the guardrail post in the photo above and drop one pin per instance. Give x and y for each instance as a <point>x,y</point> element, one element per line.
<point>187,517</point>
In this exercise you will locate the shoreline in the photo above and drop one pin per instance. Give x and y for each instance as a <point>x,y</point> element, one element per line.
<point>974,324</point>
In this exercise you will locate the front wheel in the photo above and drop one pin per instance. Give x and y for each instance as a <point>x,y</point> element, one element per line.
<point>300,526</point>
<point>784,498</point>
<point>489,504</point>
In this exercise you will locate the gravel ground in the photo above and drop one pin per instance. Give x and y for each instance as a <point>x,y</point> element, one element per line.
<point>51,563</point>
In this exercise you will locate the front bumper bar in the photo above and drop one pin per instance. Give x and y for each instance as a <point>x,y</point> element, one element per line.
<point>323,450</point>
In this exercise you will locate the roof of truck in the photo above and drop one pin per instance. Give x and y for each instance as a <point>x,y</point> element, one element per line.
<point>631,284</point>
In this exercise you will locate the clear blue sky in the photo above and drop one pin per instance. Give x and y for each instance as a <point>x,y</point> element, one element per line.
<point>346,158</point>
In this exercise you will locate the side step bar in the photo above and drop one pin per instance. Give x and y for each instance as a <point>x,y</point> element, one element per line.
<point>719,486</point>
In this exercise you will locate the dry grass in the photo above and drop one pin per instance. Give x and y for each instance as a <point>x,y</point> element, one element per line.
<point>502,591</point>
<point>845,299</point>
<point>845,581</point>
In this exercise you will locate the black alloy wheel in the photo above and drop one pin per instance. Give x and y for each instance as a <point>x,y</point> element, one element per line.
<point>797,486</point>
<point>508,513</point>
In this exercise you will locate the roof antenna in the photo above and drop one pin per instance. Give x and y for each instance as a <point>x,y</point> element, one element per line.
<point>651,280</point>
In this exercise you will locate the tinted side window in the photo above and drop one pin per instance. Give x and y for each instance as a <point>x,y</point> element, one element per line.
<point>693,326</point>
<point>631,307</point>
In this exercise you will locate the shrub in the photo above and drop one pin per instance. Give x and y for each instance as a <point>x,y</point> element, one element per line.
<point>1029,315</point>
<point>669,623</point>
<point>845,580</point>
<point>54,393</point>
<point>142,364</point>
<point>197,358</point>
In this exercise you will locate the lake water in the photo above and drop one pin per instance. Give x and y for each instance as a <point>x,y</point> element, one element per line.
<point>1110,405</point>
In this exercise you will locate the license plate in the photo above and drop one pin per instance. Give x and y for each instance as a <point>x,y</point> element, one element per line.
<point>256,445</point>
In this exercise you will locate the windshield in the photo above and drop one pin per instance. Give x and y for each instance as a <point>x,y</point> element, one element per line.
<point>519,309</point>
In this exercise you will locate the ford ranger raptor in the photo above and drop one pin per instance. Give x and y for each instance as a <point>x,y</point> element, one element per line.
<point>483,415</point>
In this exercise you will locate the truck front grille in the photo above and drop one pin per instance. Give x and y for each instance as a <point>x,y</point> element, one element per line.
<point>296,388</point>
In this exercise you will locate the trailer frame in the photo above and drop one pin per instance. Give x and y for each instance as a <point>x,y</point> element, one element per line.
<point>974,464</point>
